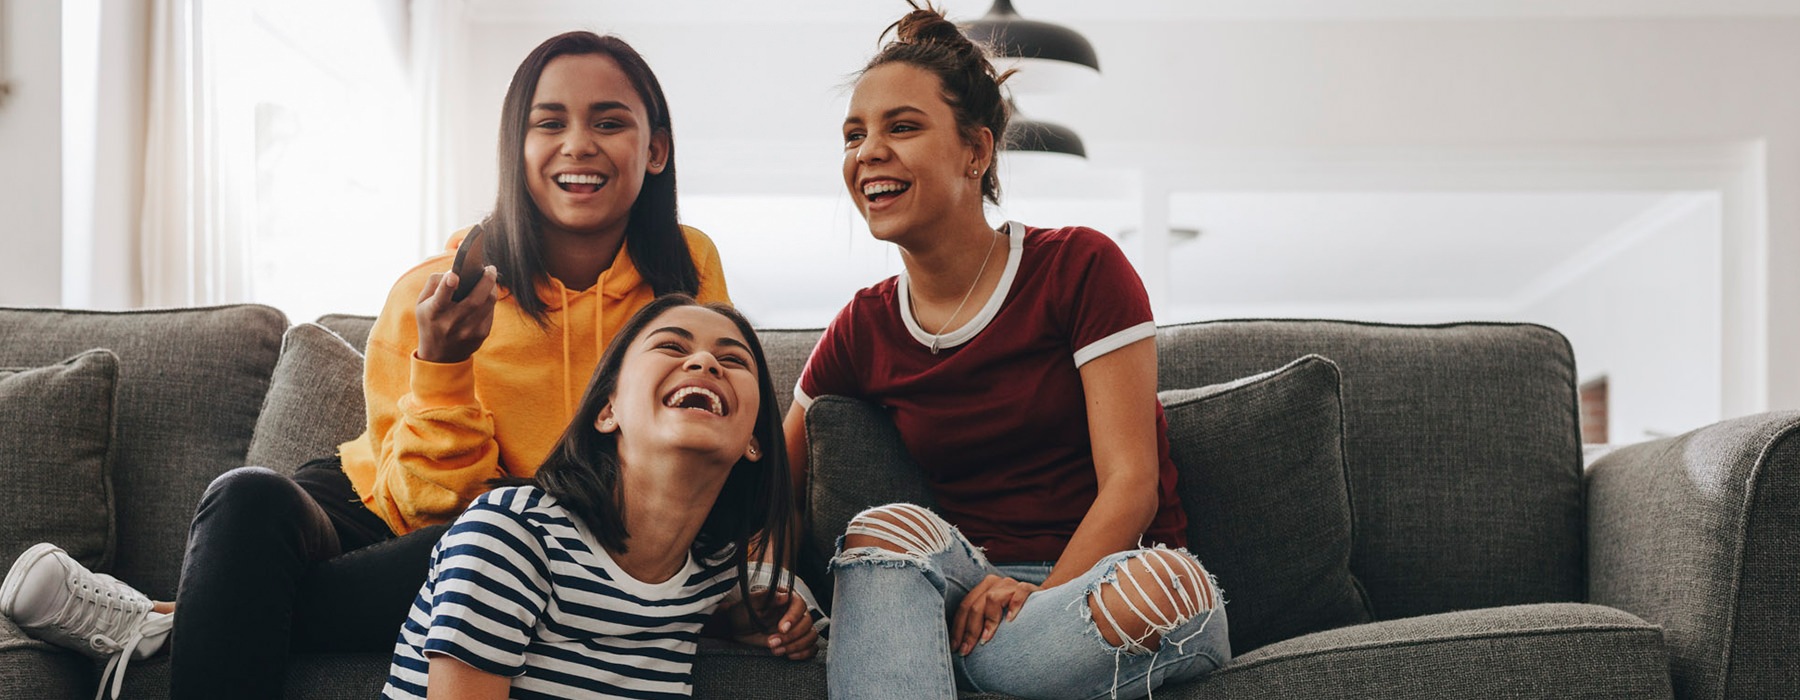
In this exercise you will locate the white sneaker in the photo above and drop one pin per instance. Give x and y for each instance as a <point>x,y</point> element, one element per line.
<point>56,599</point>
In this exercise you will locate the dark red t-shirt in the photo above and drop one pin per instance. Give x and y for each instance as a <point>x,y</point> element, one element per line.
<point>997,418</point>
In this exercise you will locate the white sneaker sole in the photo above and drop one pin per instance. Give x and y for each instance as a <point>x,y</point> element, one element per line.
<point>15,577</point>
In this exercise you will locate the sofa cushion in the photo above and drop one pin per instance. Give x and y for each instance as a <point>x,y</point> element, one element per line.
<point>190,384</point>
<point>1261,477</point>
<point>54,448</point>
<point>1262,482</point>
<point>315,400</point>
<point>856,461</point>
<point>352,328</point>
<point>1559,650</point>
<point>1462,446</point>
<point>722,671</point>
<point>787,351</point>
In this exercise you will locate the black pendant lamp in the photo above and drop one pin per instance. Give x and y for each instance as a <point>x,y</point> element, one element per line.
<point>1029,135</point>
<point>1049,56</point>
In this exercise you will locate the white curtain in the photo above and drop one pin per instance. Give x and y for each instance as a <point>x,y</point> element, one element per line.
<point>199,164</point>
<point>440,46</point>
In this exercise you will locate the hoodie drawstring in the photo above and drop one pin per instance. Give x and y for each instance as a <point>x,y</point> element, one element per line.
<point>568,402</point>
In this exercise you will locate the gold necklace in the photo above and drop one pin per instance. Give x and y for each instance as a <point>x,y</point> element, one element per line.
<point>993,238</point>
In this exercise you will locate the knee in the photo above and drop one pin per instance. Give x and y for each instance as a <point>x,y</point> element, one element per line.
<point>250,490</point>
<point>898,527</point>
<point>1148,594</point>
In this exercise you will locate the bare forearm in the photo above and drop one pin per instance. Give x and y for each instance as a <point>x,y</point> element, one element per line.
<point>1117,519</point>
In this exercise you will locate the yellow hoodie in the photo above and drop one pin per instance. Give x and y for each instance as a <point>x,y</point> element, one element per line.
<point>437,432</point>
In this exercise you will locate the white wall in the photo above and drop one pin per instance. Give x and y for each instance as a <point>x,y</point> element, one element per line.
<point>31,149</point>
<point>1520,86</point>
<point>72,140</point>
<point>1648,320</point>
<point>1211,98</point>
<point>116,175</point>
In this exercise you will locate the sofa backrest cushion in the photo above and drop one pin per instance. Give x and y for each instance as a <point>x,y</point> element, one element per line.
<point>190,383</point>
<point>1261,479</point>
<point>786,351</point>
<point>1261,464</point>
<point>1462,448</point>
<point>56,436</point>
<point>315,401</point>
<point>352,328</point>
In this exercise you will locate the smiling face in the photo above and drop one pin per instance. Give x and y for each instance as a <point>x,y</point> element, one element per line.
<point>588,145</point>
<point>906,162</point>
<point>688,383</point>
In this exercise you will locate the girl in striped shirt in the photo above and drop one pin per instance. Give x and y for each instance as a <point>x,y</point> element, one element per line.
<point>594,577</point>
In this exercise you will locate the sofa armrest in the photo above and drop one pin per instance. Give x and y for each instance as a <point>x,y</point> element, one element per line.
<point>1700,533</point>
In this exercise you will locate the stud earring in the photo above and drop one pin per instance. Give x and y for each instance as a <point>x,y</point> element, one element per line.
<point>974,173</point>
<point>753,452</point>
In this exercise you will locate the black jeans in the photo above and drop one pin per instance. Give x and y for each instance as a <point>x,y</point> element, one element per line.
<point>277,564</point>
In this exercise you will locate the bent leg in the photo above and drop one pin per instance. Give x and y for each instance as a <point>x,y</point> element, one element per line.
<point>899,570</point>
<point>358,600</point>
<point>254,535</point>
<point>1134,621</point>
<point>1149,595</point>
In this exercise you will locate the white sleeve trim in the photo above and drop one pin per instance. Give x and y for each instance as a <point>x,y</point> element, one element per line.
<point>1115,341</point>
<point>801,398</point>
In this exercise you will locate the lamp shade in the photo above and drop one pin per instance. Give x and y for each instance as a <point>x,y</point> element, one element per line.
<point>1028,135</point>
<point>1048,56</point>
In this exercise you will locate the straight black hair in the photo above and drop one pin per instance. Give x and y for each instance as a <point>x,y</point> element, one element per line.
<point>582,472</point>
<point>653,234</point>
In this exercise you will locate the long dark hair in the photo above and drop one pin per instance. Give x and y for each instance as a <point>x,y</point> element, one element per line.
<point>582,472</point>
<point>652,235</point>
<point>971,86</point>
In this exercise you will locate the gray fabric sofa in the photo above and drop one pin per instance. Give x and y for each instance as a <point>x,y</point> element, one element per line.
<point>1489,562</point>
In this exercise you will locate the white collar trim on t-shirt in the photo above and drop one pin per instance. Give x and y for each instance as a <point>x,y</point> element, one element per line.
<point>1015,234</point>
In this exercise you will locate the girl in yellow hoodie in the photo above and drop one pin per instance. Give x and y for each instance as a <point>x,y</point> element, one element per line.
<point>583,234</point>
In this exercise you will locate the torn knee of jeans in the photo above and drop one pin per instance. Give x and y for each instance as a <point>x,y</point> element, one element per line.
<point>899,527</point>
<point>1147,594</point>
<point>877,556</point>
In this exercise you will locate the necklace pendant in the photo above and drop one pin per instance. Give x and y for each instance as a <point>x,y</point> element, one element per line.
<point>934,345</point>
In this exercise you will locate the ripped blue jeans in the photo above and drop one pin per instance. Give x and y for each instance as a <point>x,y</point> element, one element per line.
<point>893,604</point>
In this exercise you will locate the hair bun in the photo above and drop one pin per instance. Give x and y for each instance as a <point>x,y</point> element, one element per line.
<point>926,24</point>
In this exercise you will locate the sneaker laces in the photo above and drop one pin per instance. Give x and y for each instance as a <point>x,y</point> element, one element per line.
<point>113,618</point>
<point>153,625</point>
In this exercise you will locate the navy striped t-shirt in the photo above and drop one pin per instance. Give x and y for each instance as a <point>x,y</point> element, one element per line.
<point>519,588</point>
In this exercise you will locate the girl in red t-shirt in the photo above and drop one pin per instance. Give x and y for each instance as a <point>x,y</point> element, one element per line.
<point>1019,366</point>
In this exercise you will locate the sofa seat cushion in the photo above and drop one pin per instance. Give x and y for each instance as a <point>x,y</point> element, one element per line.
<point>723,671</point>
<point>1561,650</point>
<point>315,400</point>
<point>1551,650</point>
<point>55,450</point>
<point>1262,481</point>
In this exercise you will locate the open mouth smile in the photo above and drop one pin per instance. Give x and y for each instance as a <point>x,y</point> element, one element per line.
<point>697,398</point>
<point>581,183</point>
<point>878,191</point>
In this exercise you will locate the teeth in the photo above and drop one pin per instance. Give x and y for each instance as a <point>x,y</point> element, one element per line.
<point>884,187</point>
<point>574,179</point>
<point>714,404</point>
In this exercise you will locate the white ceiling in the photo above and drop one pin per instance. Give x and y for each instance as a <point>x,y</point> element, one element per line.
<point>860,11</point>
